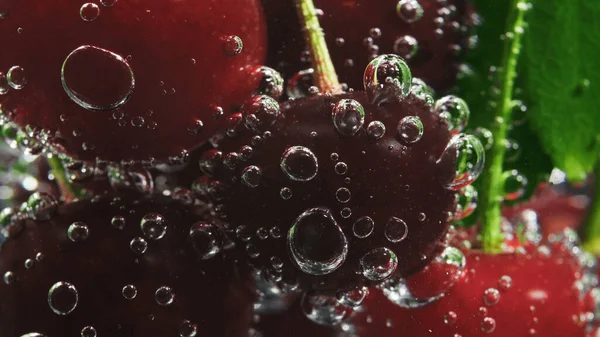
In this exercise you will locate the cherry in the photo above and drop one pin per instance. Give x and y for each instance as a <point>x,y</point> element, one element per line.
<point>520,294</point>
<point>127,81</point>
<point>430,34</point>
<point>121,267</point>
<point>335,191</point>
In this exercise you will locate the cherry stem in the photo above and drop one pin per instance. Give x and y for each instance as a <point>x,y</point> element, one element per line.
<point>493,183</point>
<point>324,72</point>
<point>67,191</point>
<point>591,226</point>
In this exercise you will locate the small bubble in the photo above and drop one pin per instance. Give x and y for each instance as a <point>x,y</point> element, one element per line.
<point>466,154</point>
<point>260,112</point>
<point>379,264</point>
<point>421,217</point>
<point>488,325</point>
<point>353,297</point>
<point>232,45</point>
<point>285,193</point>
<point>454,111</point>
<point>164,296</point>
<point>42,206</point>
<point>118,222</point>
<point>188,329</point>
<point>299,163</point>
<point>205,240</point>
<point>387,75</point>
<point>154,226</point>
<point>505,283</point>
<point>396,230</point>
<point>63,298</point>
<point>348,116</point>
<point>299,84</point>
<point>88,331</point>
<point>271,83</point>
<point>89,11</point>
<point>410,129</point>
<point>343,195</point>
<point>467,202</point>
<point>376,130</point>
<point>138,245</point>
<point>409,10</point>
<point>346,212</point>
<point>16,77</point>
<point>39,257</point>
<point>29,263</point>
<point>491,296</point>
<point>251,176</point>
<point>406,46</point>
<point>129,291</point>
<point>9,277</point>
<point>334,156</point>
<point>78,231</point>
<point>375,33</point>
<point>485,136</point>
<point>341,168</point>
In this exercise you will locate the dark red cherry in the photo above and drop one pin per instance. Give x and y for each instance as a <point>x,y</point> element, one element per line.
<point>127,80</point>
<point>336,191</point>
<point>119,267</point>
<point>429,34</point>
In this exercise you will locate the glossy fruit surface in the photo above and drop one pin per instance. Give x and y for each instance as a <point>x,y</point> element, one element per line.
<point>335,191</point>
<point>127,80</point>
<point>430,34</point>
<point>120,267</point>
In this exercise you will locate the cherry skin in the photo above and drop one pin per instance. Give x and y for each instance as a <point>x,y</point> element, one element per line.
<point>431,36</point>
<point>317,197</point>
<point>122,267</point>
<point>127,80</point>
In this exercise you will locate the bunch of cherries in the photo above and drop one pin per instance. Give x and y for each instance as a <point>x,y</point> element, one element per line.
<point>204,177</point>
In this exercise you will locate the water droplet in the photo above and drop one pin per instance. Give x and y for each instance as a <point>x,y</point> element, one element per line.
<point>63,298</point>
<point>409,10</point>
<point>88,331</point>
<point>78,231</point>
<point>41,206</point>
<point>505,283</point>
<point>387,77</point>
<point>491,297</point>
<point>466,154</point>
<point>271,82</point>
<point>343,195</point>
<point>260,112</point>
<point>488,325</point>
<point>324,310</point>
<point>164,296</point>
<point>406,46</point>
<point>9,277</point>
<point>299,163</point>
<point>396,230</point>
<point>232,45</point>
<point>376,130</point>
<point>467,202</point>
<point>154,226</point>
<point>285,193</point>
<point>16,77</point>
<point>348,116</point>
<point>410,129</point>
<point>138,245</point>
<point>363,227</point>
<point>485,136</point>
<point>188,329</point>
<point>205,240</point>
<point>251,176</point>
<point>316,242</point>
<point>379,264</point>
<point>129,291</point>
<point>454,111</point>
<point>89,11</point>
<point>352,297</point>
<point>97,79</point>
<point>118,222</point>
<point>514,185</point>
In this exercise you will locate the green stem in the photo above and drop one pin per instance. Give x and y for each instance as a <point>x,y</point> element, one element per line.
<point>325,76</point>
<point>493,183</point>
<point>68,192</point>
<point>591,226</point>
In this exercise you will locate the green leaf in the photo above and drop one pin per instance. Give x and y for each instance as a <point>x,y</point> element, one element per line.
<point>562,80</point>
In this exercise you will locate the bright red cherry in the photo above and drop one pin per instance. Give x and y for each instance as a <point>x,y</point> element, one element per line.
<point>127,80</point>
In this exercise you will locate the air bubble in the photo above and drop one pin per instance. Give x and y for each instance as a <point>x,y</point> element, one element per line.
<point>324,310</point>
<point>285,193</point>
<point>406,46</point>
<point>299,163</point>
<point>340,168</point>
<point>466,155</point>
<point>491,296</point>
<point>9,277</point>
<point>299,84</point>
<point>251,176</point>
<point>348,116</point>
<point>97,79</point>
<point>514,185</point>
<point>379,264</point>
<point>363,227</point>
<point>376,130</point>
<point>485,136</point>
<point>89,11</point>
<point>187,329</point>
<point>138,245</point>
<point>41,206</point>
<point>352,297</point>
<point>63,298</point>
<point>129,292</point>
<point>488,325</point>
<point>232,45</point>
<point>4,87</point>
<point>16,77</point>
<point>204,238</point>
<point>260,112</point>
<point>454,111</point>
<point>410,129</point>
<point>505,283</point>
<point>396,230</point>
<point>164,296</point>
<point>387,75</point>
<point>154,226</point>
<point>409,10</point>
<point>467,202</point>
<point>316,242</point>
<point>424,92</point>
<point>78,231</point>
<point>343,195</point>
<point>118,222</point>
<point>88,331</point>
<point>271,82</point>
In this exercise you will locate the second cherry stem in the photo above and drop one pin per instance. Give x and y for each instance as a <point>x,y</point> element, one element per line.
<point>492,188</point>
